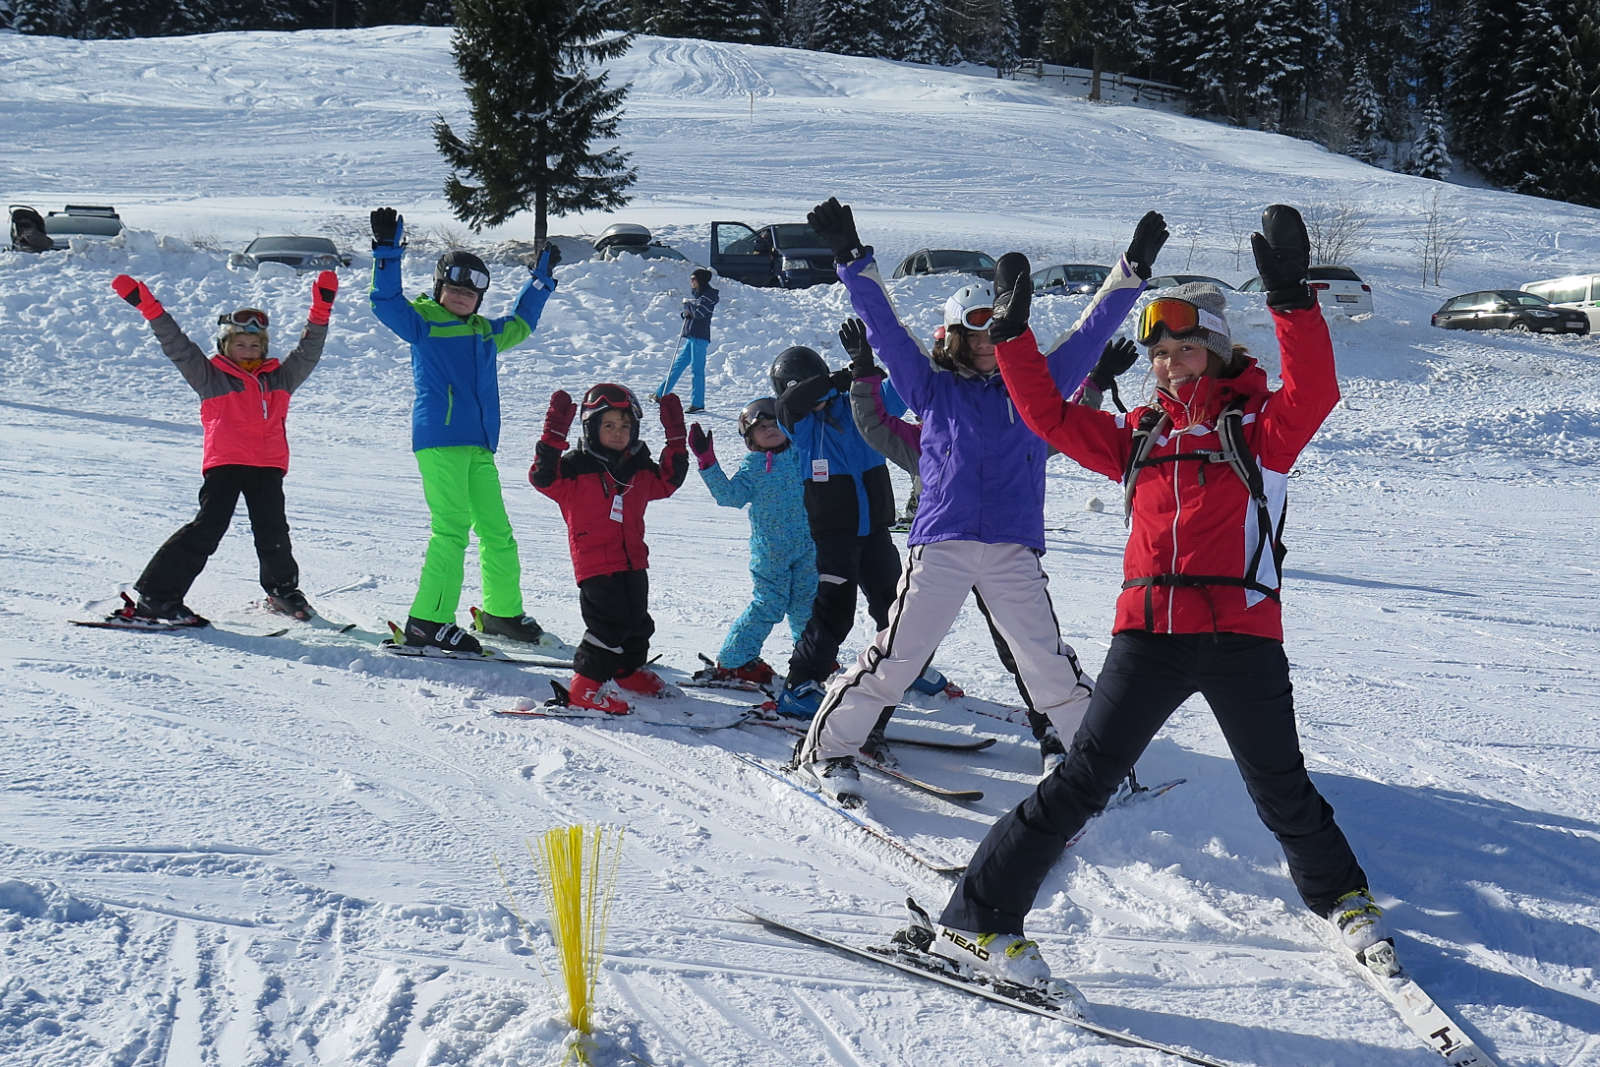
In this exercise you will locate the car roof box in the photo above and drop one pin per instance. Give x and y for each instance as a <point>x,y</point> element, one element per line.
<point>622,233</point>
<point>104,210</point>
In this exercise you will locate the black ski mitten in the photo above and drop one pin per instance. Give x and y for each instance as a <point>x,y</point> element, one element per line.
<point>1283,255</point>
<point>1148,237</point>
<point>1013,297</point>
<point>1118,355</point>
<point>836,226</point>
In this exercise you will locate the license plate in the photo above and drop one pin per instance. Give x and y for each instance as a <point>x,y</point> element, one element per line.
<point>1344,299</point>
<point>1576,325</point>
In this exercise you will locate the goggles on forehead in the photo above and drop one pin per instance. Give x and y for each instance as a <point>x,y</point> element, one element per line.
<point>250,320</point>
<point>977,318</point>
<point>466,277</point>
<point>1178,318</point>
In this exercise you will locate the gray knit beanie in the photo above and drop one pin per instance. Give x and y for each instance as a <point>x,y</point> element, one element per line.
<point>1209,299</point>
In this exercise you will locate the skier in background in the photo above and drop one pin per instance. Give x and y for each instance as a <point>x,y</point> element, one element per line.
<point>783,558</point>
<point>1199,611</point>
<point>455,429</point>
<point>697,309</point>
<point>244,407</point>
<point>603,486</point>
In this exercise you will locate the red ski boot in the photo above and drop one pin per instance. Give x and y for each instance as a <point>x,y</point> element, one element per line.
<point>643,681</point>
<point>585,693</point>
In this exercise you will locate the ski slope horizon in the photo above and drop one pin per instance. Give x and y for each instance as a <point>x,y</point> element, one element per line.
<point>222,847</point>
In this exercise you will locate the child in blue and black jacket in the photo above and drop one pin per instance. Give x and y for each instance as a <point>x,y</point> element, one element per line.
<point>850,508</point>
<point>697,309</point>
<point>783,558</point>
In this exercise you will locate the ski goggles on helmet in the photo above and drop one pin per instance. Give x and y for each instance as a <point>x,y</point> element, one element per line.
<point>977,318</point>
<point>466,277</point>
<point>610,397</point>
<point>1178,318</point>
<point>250,320</point>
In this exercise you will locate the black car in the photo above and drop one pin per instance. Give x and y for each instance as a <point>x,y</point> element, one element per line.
<point>789,255</point>
<point>1508,309</point>
<point>1070,278</point>
<point>946,261</point>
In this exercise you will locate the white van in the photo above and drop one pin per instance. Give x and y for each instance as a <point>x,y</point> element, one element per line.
<point>1581,291</point>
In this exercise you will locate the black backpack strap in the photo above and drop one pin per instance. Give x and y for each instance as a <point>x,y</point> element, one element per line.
<point>1150,426</point>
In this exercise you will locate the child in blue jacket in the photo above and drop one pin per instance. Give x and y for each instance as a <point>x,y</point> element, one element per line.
<point>783,558</point>
<point>455,429</point>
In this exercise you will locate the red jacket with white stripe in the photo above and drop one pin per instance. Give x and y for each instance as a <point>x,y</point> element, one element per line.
<point>603,503</point>
<point>243,414</point>
<point>1192,517</point>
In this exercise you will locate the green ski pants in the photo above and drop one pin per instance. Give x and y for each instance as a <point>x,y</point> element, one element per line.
<point>462,488</point>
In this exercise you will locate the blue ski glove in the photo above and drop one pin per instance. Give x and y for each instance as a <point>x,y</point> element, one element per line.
<point>544,270</point>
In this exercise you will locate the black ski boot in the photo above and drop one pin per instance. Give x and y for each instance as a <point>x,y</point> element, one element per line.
<point>517,628</point>
<point>290,602</point>
<point>172,612</point>
<point>445,635</point>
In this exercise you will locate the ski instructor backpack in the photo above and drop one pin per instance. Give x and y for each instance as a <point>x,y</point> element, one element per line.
<point>1237,455</point>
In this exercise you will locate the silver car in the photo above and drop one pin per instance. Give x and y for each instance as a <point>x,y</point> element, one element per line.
<point>301,253</point>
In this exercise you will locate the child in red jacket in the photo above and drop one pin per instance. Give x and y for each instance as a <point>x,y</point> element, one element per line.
<point>244,405</point>
<point>603,486</point>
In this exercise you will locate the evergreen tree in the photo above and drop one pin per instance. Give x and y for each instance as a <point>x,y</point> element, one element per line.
<point>1477,83</point>
<point>1529,140</point>
<point>1365,114</point>
<point>1268,65</point>
<point>537,89</point>
<point>1212,73</point>
<point>916,31</point>
<point>1574,174</point>
<point>847,28</point>
<point>1430,158</point>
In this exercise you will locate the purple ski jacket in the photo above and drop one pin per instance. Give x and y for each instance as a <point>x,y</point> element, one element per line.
<point>982,468</point>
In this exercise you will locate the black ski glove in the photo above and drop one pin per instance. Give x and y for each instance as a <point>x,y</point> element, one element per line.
<point>841,379</point>
<point>1013,297</point>
<point>853,336</point>
<point>837,227</point>
<point>1148,237</point>
<point>1118,355</point>
<point>386,227</point>
<point>1283,255</point>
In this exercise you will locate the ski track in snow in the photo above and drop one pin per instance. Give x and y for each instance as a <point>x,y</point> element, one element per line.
<point>225,848</point>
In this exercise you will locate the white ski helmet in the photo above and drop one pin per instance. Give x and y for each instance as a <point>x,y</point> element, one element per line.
<point>971,306</point>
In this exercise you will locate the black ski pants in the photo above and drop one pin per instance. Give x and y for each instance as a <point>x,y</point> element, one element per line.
<point>1146,676</point>
<point>844,563</point>
<point>178,562</point>
<point>617,624</point>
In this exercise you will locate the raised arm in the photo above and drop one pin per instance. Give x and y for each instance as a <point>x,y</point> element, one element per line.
<point>516,327</point>
<point>388,302</point>
<point>299,363</point>
<point>187,356</point>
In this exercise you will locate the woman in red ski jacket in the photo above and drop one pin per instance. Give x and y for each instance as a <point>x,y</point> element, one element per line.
<point>244,406</point>
<point>1199,609</point>
<point>603,486</point>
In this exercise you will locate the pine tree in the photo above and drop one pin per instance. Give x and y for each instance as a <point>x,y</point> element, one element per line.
<point>1213,77</point>
<point>1269,53</point>
<point>847,28</point>
<point>536,85</point>
<point>1477,83</point>
<point>1575,112</point>
<point>1364,112</point>
<point>1430,158</point>
<point>1531,135</point>
<point>916,31</point>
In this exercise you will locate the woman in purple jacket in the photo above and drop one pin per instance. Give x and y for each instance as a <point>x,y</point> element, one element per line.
<point>980,523</point>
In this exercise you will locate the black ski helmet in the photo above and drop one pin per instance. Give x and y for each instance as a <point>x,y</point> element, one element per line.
<point>760,408</point>
<point>794,365</point>
<point>463,270</point>
<point>608,396</point>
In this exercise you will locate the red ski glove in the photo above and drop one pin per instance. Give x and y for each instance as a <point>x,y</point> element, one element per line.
<point>558,419</point>
<point>323,290</point>
<point>138,294</point>
<point>700,445</point>
<point>672,418</point>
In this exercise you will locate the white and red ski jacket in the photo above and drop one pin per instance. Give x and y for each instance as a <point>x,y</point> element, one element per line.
<point>1192,519</point>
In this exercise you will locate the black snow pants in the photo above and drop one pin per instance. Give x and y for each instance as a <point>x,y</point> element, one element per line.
<point>617,624</point>
<point>844,563</point>
<point>1145,677</point>
<point>178,562</point>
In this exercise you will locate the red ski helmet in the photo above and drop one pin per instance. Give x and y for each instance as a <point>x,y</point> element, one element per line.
<point>608,396</point>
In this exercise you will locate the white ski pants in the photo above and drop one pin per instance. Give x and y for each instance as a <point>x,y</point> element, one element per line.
<point>933,586</point>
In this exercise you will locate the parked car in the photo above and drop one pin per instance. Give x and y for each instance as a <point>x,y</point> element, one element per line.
<point>946,261</point>
<point>1070,278</point>
<point>1581,291</point>
<point>632,239</point>
<point>1168,281</point>
<point>1508,309</point>
<point>297,251</point>
<point>93,221</point>
<point>789,255</point>
<point>1349,293</point>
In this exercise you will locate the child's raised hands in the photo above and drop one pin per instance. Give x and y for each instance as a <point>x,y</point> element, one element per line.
<point>700,445</point>
<point>388,228</point>
<point>138,294</point>
<point>672,418</point>
<point>558,418</point>
<point>323,290</point>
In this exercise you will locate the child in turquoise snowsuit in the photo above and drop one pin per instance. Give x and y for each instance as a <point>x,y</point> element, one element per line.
<point>783,559</point>
<point>455,430</point>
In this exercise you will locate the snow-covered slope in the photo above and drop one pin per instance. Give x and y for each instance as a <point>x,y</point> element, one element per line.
<point>226,848</point>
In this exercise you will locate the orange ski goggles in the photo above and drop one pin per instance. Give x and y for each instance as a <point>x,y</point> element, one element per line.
<point>1178,318</point>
